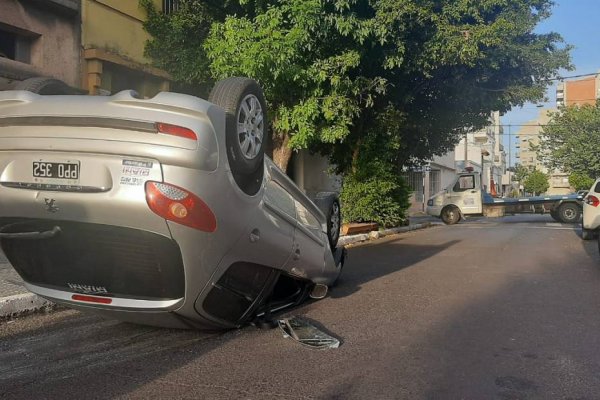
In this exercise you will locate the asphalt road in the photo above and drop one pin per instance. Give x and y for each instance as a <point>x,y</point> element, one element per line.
<point>489,309</point>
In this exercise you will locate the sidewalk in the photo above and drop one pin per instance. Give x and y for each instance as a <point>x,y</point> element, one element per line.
<point>15,299</point>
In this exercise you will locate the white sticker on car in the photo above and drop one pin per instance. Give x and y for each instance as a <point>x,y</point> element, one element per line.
<point>137,163</point>
<point>135,171</point>
<point>132,181</point>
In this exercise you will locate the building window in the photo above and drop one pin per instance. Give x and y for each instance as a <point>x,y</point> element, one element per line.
<point>415,182</point>
<point>15,47</point>
<point>170,6</point>
<point>435,182</point>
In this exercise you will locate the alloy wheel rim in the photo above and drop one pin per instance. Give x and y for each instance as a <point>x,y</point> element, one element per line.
<point>250,126</point>
<point>335,220</point>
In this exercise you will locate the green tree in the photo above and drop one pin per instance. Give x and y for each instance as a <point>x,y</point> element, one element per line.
<point>580,181</point>
<point>571,139</point>
<point>332,68</point>
<point>521,172</point>
<point>536,182</point>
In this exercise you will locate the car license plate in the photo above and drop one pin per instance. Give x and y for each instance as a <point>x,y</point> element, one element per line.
<point>56,170</point>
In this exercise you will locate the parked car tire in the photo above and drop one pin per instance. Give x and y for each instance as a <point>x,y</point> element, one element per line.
<point>450,215</point>
<point>329,204</point>
<point>569,213</point>
<point>246,122</point>
<point>554,215</point>
<point>44,85</point>
<point>587,234</point>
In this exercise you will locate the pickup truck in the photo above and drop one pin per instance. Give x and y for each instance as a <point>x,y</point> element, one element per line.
<point>465,197</point>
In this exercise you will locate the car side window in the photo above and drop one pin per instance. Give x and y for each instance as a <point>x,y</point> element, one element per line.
<point>278,197</point>
<point>306,218</point>
<point>466,182</point>
<point>597,188</point>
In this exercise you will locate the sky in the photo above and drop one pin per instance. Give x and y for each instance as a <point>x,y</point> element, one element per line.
<point>577,22</point>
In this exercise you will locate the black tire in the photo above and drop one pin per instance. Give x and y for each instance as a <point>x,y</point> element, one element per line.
<point>569,213</point>
<point>43,85</point>
<point>244,103</point>
<point>450,215</point>
<point>587,234</point>
<point>329,204</point>
<point>554,215</point>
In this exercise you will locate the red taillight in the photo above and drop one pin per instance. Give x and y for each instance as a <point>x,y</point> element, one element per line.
<point>592,200</point>
<point>176,204</point>
<point>176,131</point>
<point>91,299</point>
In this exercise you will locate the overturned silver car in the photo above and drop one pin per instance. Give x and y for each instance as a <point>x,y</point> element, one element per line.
<point>161,211</point>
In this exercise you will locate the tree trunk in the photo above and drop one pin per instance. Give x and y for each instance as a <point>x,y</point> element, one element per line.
<point>281,152</point>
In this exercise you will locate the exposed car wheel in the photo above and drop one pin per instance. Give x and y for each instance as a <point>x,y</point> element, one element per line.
<point>329,204</point>
<point>246,122</point>
<point>42,85</point>
<point>569,213</point>
<point>450,215</point>
<point>587,234</point>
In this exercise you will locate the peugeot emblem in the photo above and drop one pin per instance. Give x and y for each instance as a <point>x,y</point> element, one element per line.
<point>50,205</point>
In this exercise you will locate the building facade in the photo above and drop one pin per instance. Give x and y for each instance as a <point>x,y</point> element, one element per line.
<point>529,137</point>
<point>113,40</point>
<point>40,38</point>
<point>578,92</point>
<point>93,45</point>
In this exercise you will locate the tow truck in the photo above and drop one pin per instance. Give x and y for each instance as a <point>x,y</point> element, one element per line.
<point>465,197</point>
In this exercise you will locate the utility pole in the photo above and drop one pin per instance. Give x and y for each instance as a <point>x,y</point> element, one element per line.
<point>466,148</point>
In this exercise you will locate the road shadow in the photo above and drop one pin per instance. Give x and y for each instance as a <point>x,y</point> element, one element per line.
<point>379,258</point>
<point>526,328</point>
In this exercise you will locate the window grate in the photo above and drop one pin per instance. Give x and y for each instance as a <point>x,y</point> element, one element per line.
<point>170,6</point>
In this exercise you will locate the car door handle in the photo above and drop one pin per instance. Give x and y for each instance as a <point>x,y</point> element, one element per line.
<point>473,191</point>
<point>254,236</point>
<point>297,254</point>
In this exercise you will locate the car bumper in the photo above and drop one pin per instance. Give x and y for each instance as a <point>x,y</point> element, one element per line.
<point>434,211</point>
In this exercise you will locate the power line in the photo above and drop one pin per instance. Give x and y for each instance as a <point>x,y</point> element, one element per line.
<point>562,78</point>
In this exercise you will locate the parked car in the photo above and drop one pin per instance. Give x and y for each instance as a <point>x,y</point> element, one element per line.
<point>161,211</point>
<point>591,212</point>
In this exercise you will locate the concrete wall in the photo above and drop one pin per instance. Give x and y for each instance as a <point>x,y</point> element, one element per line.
<point>53,33</point>
<point>312,173</point>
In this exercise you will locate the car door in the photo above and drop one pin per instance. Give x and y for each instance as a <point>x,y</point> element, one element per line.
<point>466,194</point>
<point>308,250</point>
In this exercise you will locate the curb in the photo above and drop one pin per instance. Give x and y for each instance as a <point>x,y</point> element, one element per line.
<point>22,303</point>
<point>351,239</point>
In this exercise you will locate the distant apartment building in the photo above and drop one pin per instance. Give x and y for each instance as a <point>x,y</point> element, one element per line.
<point>39,38</point>
<point>578,92</point>
<point>528,138</point>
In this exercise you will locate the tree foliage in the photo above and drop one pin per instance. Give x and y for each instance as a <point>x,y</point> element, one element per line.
<point>536,182</point>
<point>373,191</point>
<point>580,181</point>
<point>332,68</point>
<point>521,172</point>
<point>571,140</point>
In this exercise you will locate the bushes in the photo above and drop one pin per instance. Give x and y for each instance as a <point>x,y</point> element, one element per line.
<point>580,181</point>
<point>377,199</point>
<point>378,196</point>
